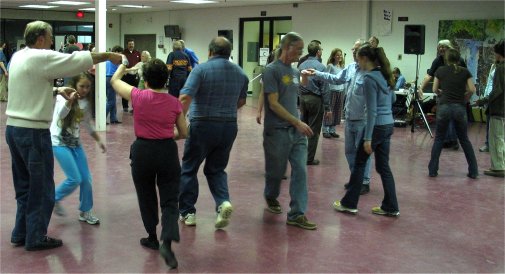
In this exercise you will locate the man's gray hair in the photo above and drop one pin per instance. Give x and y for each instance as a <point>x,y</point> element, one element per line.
<point>35,29</point>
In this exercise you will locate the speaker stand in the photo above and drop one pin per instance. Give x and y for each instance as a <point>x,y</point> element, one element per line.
<point>417,105</point>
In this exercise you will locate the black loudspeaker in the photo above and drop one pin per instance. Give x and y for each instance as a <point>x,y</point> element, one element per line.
<point>228,34</point>
<point>172,31</point>
<point>414,39</point>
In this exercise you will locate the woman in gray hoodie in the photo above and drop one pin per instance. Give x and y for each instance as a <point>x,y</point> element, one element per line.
<point>379,95</point>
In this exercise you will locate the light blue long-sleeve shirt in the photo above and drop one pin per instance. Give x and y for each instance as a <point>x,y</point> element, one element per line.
<point>379,99</point>
<point>352,77</point>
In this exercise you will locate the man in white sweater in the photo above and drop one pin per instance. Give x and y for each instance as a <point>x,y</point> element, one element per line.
<point>29,114</point>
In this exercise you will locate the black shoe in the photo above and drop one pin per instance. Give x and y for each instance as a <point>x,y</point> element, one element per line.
<point>46,243</point>
<point>284,177</point>
<point>334,135</point>
<point>116,122</point>
<point>313,162</point>
<point>472,176</point>
<point>169,256</point>
<point>346,186</point>
<point>364,189</point>
<point>326,135</point>
<point>433,174</point>
<point>18,243</point>
<point>125,109</point>
<point>150,243</point>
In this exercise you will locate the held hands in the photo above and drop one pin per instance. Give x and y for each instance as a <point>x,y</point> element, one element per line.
<point>102,146</point>
<point>67,93</point>
<point>367,146</point>
<point>117,58</point>
<point>308,72</point>
<point>304,129</point>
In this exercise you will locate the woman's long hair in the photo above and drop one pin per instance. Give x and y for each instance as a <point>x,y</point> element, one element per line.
<point>333,58</point>
<point>452,58</point>
<point>378,57</point>
<point>75,115</point>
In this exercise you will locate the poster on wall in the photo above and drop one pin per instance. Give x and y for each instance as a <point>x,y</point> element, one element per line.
<point>385,22</point>
<point>475,40</point>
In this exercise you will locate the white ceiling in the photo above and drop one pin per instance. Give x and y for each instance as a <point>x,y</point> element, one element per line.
<point>157,5</point>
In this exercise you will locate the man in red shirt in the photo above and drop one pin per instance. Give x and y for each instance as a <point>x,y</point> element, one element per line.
<point>133,57</point>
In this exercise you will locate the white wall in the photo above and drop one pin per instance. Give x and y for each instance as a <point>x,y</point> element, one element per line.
<point>426,13</point>
<point>335,24</point>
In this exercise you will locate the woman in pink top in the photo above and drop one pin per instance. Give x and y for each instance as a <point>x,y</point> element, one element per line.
<point>154,156</point>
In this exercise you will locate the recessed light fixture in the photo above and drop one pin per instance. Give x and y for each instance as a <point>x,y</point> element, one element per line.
<point>194,1</point>
<point>38,6</point>
<point>134,6</point>
<point>69,3</point>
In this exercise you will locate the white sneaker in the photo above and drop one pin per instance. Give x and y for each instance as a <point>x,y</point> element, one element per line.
<point>89,218</point>
<point>189,220</point>
<point>59,210</point>
<point>223,214</point>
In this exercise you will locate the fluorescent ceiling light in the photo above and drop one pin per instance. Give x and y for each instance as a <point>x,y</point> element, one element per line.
<point>38,6</point>
<point>194,1</point>
<point>134,6</point>
<point>69,3</point>
<point>87,9</point>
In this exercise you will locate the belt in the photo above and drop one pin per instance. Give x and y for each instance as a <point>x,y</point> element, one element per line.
<point>214,119</point>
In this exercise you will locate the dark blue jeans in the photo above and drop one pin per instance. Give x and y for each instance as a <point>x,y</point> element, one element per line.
<point>457,113</point>
<point>381,142</point>
<point>33,177</point>
<point>210,141</point>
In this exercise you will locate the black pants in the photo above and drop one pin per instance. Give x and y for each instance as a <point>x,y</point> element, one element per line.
<point>156,163</point>
<point>130,79</point>
<point>175,85</point>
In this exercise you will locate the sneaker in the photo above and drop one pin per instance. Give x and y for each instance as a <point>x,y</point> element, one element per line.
<point>326,135</point>
<point>378,210</point>
<point>223,214</point>
<point>59,210</point>
<point>302,222</point>
<point>314,162</point>
<point>339,207</point>
<point>334,135</point>
<point>88,217</point>
<point>169,256</point>
<point>484,148</point>
<point>495,173</point>
<point>274,206</point>
<point>189,219</point>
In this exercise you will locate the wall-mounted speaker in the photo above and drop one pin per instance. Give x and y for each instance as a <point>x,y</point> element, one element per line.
<point>228,34</point>
<point>172,31</point>
<point>414,39</point>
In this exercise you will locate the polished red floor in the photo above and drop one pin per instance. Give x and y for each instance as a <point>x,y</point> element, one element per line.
<point>447,224</point>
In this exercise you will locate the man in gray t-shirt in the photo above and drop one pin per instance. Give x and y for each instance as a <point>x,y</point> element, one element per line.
<point>284,135</point>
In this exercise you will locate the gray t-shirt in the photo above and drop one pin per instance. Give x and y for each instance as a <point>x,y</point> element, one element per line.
<point>284,80</point>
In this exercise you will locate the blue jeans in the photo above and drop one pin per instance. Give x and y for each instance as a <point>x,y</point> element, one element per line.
<point>282,145</point>
<point>211,141</point>
<point>33,177</point>
<point>110,107</point>
<point>451,136</point>
<point>74,164</point>
<point>381,142</point>
<point>457,113</point>
<point>354,131</point>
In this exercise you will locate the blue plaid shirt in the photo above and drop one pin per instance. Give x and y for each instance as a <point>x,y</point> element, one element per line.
<point>215,88</point>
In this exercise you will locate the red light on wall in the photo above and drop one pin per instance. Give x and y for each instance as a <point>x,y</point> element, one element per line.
<point>79,14</point>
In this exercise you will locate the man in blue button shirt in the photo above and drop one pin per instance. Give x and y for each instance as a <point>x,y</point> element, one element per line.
<point>312,95</point>
<point>213,93</point>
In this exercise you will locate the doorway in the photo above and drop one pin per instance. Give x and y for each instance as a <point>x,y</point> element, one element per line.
<point>255,36</point>
<point>143,42</point>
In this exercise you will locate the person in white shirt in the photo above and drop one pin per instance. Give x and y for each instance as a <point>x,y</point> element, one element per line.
<point>67,147</point>
<point>29,113</point>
